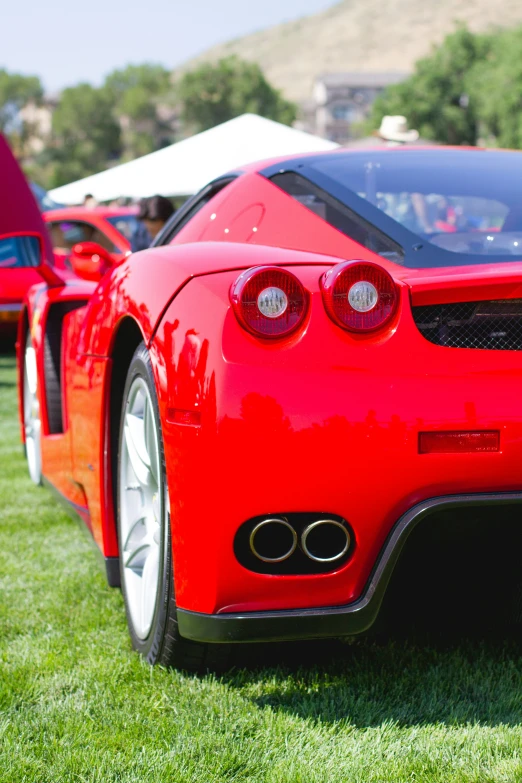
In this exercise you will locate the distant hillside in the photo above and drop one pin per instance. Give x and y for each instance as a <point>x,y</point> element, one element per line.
<point>360,35</point>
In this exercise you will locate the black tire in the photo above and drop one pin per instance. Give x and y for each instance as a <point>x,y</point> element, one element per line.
<point>163,645</point>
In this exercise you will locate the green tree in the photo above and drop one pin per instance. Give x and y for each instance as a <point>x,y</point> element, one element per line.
<point>85,134</point>
<point>136,93</point>
<point>440,98</point>
<point>16,91</point>
<point>498,90</point>
<point>217,92</point>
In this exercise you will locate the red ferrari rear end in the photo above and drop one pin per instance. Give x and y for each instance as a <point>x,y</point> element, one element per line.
<point>310,461</point>
<point>394,395</point>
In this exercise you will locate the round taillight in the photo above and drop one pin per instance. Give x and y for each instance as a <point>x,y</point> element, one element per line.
<point>359,295</point>
<point>269,301</point>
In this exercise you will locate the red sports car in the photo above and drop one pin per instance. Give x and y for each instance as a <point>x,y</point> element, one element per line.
<point>111,228</point>
<point>256,417</point>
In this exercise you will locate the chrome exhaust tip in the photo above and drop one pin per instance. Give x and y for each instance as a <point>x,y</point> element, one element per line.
<point>273,540</point>
<point>325,541</point>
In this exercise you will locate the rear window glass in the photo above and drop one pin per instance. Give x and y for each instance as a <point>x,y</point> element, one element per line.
<point>467,202</point>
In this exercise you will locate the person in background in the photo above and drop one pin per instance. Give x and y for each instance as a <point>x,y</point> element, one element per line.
<point>89,202</point>
<point>394,131</point>
<point>141,239</point>
<point>159,210</point>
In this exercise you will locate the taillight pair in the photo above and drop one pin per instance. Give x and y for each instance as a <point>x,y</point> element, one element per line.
<point>358,296</point>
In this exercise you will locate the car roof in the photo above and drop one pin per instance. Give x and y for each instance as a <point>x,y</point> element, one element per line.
<point>437,149</point>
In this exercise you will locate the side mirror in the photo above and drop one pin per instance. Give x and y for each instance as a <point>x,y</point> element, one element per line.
<point>90,260</point>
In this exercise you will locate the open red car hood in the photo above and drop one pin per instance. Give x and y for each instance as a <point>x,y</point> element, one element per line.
<point>19,211</point>
<point>19,215</point>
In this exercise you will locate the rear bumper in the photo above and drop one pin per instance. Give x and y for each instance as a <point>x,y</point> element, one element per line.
<point>328,622</point>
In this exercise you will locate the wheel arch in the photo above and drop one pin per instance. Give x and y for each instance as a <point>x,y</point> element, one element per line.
<point>124,343</point>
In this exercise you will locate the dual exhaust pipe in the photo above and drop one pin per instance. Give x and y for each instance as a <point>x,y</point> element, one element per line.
<point>274,540</point>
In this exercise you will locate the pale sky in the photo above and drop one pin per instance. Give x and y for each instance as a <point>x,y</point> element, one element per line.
<point>68,41</point>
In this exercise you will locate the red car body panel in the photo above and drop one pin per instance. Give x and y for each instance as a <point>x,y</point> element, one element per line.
<point>14,284</point>
<point>258,222</point>
<point>441,286</point>
<point>324,420</point>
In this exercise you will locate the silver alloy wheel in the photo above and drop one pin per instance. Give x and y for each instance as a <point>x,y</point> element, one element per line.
<point>32,422</point>
<point>142,521</point>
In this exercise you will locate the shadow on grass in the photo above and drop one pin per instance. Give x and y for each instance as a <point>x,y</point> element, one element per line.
<point>407,680</point>
<point>445,648</point>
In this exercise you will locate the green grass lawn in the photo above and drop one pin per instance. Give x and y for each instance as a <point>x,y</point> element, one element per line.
<point>76,704</point>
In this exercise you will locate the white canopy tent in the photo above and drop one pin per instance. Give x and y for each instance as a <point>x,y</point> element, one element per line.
<point>185,167</point>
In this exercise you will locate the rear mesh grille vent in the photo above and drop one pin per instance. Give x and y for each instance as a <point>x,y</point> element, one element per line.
<point>494,326</point>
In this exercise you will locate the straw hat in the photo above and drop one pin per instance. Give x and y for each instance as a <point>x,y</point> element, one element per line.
<point>395,128</point>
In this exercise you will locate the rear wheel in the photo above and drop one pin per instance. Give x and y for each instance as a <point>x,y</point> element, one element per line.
<point>32,423</point>
<point>146,568</point>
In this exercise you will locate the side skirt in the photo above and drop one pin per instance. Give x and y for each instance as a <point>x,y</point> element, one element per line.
<point>112,570</point>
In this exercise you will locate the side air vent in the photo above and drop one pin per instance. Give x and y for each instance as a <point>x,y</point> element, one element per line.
<point>53,363</point>
<point>489,325</point>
